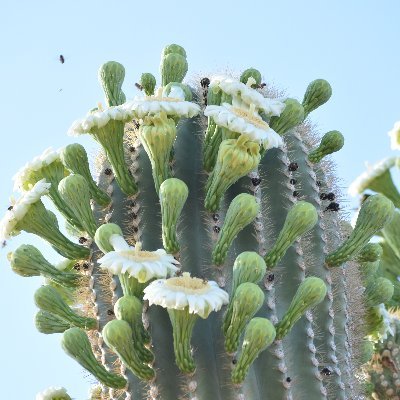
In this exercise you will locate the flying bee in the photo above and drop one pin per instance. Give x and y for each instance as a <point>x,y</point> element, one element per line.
<point>139,86</point>
<point>3,244</point>
<point>62,59</point>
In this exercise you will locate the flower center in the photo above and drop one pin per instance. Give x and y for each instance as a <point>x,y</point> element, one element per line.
<point>140,255</point>
<point>187,284</point>
<point>249,116</point>
<point>160,97</point>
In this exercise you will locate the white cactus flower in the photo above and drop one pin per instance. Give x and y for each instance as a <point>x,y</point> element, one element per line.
<point>53,393</point>
<point>201,297</point>
<point>362,182</point>
<point>394,134</point>
<point>142,265</point>
<point>246,122</point>
<point>22,177</point>
<point>18,210</point>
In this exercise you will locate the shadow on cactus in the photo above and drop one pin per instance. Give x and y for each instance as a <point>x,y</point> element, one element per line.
<point>213,258</point>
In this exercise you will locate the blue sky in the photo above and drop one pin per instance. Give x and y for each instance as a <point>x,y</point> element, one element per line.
<point>354,45</point>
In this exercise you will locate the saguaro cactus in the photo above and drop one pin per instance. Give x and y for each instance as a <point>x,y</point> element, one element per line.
<point>254,302</point>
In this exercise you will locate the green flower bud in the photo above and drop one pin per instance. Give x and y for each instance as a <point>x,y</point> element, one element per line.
<point>374,323</point>
<point>74,158</point>
<point>27,260</point>
<point>173,48</point>
<point>248,267</point>
<point>185,88</point>
<point>291,116</point>
<point>76,344</point>
<point>370,253</point>
<point>173,68</point>
<point>300,219</point>
<point>212,147</point>
<point>331,142</point>
<point>157,135</point>
<point>48,299</point>
<point>103,234</point>
<point>247,300</point>
<point>236,158</point>
<point>368,270</point>
<point>379,290</point>
<point>391,233</point>
<point>173,195</point>
<point>111,77</point>
<point>148,83</point>
<point>241,212</point>
<point>75,192</point>
<point>118,336</point>
<point>374,214</point>
<point>129,309</point>
<point>49,323</point>
<point>310,293</point>
<point>214,94</point>
<point>259,334</point>
<point>318,92</point>
<point>251,73</point>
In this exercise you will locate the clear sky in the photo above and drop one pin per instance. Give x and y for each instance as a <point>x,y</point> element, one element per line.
<point>352,44</point>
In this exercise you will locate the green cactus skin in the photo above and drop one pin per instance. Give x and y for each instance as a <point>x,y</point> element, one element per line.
<point>211,148</point>
<point>291,116</point>
<point>75,192</point>
<point>318,92</point>
<point>27,260</point>
<point>49,323</point>
<point>173,194</point>
<point>301,218</point>
<point>148,83</point>
<point>331,142</point>
<point>118,336</point>
<point>48,299</point>
<point>375,213</point>
<point>286,369</point>
<point>76,344</point>
<point>111,77</point>
<point>379,291</point>
<point>75,159</point>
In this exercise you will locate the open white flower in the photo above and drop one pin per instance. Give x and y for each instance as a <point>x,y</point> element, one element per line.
<point>22,177</point>
<point>201,297</point>
<point>100,118</point>
<point>244,122</point>
<point>395,136</point>
<point>142,265</point>
<point>53,393</point>
<point>18,210</point>
<point>365,179</point>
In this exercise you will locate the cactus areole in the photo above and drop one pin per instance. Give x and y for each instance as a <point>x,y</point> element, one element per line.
<point>170,293</point>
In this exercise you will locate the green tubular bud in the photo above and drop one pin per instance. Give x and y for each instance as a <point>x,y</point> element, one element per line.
<point>211,149</point>
<point>247,300</point>
<point>251,73</point>
<point>370,253</point>
<point>214,94</point>
<point>75,192</point>
<point>27,260</point>
<point>374,214</point>
<point>111,77</point>
<point>310,293</point>
<point>157,135</point>
<point>241,212</point>
<point>379,290</point>
<point>173,48</point>
<point>331,142</point>
<point>391,233</point>
<point>76,344</point>
<point>40,222</point>
<point>368,270</point>
<point>48,299</point>
<point>318,92</point>
<point>185,88</point>
<point>131,286</point>
<point>259,334</point>
<point>300,219</point>
<point>236,158</point>
<point>49,323</point>
<point>182,328</point>
<point>75,159</point>
<point>129,309</point>
<point>118,336</point>
<point>148,83</point>
<point>173,68</point>
<point>173,194</point>
<point>103,234</point>
<point>248,267</point>
<point>291,116</point>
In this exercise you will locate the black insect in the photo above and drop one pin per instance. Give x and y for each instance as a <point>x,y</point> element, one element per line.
<point>110,312</point>
<point>262,85</point>
<point>62,59</point>
<point>82,240</point>
<point>333,207</point>
<point>216,229</point>
<point>255,181</point>
<point>288,379</point>
<point>270,277</point>
<point>326,371</point>
<point>293,166</point>
<point>330,196</point>
<point>205,83</point>
<point>3,244</point>
<point>293,181</point>
<point>108,171</point>
<point>215,217</point>
<point>179,273</point>
<point>234,361</point>
<point>10,208</point>
<point>139,86</point>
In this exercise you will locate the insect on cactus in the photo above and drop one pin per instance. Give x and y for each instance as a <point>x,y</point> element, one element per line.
<point>213,263</point>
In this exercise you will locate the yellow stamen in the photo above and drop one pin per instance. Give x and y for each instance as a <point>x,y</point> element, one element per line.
<point>187,284</point>
<point>100,106</point>
<point>249,116</point>
<point>138,255</point>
